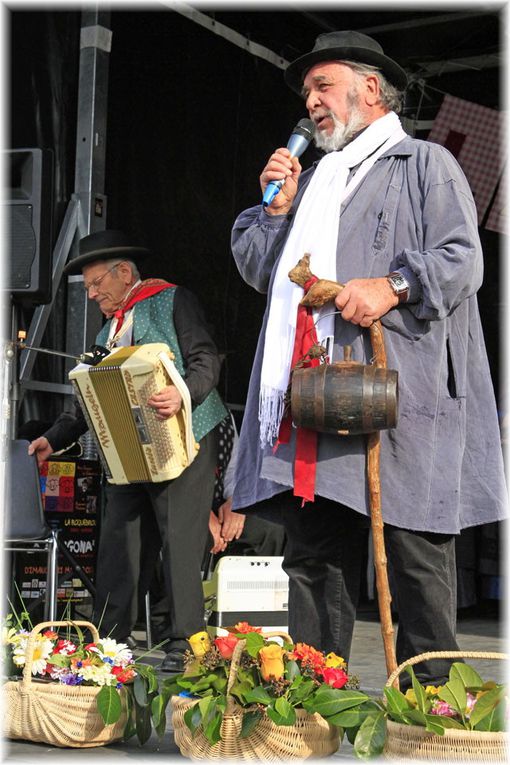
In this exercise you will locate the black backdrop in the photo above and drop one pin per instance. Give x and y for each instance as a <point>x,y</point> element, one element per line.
<point>191,122</point>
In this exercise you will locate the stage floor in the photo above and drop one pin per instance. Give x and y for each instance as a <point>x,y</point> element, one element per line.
<point>367,661</point>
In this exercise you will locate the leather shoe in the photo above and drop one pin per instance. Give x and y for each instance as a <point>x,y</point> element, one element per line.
<point>173,662</point>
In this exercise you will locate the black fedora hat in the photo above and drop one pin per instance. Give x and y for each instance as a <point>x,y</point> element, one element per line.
<point>105,245</point>
<point>345,46</point>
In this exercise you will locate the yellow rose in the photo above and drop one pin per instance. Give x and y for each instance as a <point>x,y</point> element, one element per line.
<point>433,690</point>
<point>199,643</point>
<point>410,696</point>
<point>332,660</point>
<point>271,662</point>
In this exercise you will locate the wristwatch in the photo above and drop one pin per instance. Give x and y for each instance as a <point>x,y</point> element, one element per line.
<point>399,285</point>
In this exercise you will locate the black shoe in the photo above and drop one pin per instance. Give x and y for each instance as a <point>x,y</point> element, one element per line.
<point>173,662</point>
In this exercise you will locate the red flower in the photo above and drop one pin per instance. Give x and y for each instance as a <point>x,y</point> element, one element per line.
<point>64,646</point>
<point>50,634</point>
<point>335,677</point>
<point>226,645</point>
<point>123,674</point>
<point>244,628</point>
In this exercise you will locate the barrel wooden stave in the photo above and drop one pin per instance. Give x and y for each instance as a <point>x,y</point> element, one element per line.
<point>344,396</point>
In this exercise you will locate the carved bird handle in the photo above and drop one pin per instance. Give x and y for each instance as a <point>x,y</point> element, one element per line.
<point>324,291</point>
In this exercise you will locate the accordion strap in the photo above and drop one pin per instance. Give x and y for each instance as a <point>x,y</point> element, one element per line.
<point>186,401</point>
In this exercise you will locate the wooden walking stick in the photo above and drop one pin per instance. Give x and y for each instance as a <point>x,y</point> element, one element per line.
<point>320,293</point>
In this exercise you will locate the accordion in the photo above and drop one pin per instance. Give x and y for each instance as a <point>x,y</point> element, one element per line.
<point>134,445</point>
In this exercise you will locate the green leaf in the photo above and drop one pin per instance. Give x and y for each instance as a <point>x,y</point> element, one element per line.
<point>143,723</point>
<point>158,713</point>
<point>249,723</point>
<point>140,691</point>
<point>496,720</point>
<point>298,694</point>
<point>193,718</point>
<point>454,693</point>
<point>396,702</point>
<point>486,704</point>
<point>109,704</point>
<point>289,716</point>
<point>466,674</point>
<point>421,698</point>
<point>329,702</point>
<point>370,738</point>
<point>59,660</point>
<point>446,722</point>
<point>433,726</point>
<point>292,671</point>
<point>350,718</point>
<point>254,642</point>
<point>414,717</point>
<point>129,729</point>
<point>172,686</point>
<point>239,690</point>
<point>285,709</point>
<point>213,728</point>
<point>258,695</point>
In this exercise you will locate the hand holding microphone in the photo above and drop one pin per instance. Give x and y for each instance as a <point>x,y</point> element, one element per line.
<point>283,170</point>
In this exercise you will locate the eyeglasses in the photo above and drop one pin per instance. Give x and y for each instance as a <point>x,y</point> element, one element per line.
<point>97,281</point>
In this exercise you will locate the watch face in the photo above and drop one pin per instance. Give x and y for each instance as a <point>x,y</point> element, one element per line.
<point>398,282</point>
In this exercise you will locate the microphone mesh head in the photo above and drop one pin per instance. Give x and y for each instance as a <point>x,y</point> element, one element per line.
<point>306,128</point>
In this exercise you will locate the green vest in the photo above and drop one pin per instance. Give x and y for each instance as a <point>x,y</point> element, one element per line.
<point>153,323</point>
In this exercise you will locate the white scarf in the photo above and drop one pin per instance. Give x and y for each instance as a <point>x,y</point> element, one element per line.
<point>315,230</point>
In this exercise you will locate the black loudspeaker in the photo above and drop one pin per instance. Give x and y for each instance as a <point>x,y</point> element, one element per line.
<point>28,199</point>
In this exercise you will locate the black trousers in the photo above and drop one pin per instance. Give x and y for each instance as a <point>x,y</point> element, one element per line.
<point>323,557</point>
<point>181,511</point>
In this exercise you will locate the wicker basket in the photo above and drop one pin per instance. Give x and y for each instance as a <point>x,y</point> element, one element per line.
<point>55,713</point>
<point>413,742</point>
<point>310,736</point>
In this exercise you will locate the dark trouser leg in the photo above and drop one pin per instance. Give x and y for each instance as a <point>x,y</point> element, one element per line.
<point>323,555</point>
<point>182,510</point>
<point>424,579</point>
<point>118,560</point>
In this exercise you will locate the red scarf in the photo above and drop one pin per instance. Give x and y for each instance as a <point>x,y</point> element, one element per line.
<point>305,458</point>
<point>145,289</point>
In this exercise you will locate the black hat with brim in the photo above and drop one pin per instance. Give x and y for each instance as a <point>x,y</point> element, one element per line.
<point>345,46</point>
<point>105,245</point>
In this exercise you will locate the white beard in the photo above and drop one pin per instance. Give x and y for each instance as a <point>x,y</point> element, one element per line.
<point>342,133</point>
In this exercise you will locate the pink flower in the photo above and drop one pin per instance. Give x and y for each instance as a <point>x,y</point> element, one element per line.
<point>442,708</point>
<point>335,677</point>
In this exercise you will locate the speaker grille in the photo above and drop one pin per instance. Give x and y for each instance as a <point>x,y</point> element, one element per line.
<point>22,245</point>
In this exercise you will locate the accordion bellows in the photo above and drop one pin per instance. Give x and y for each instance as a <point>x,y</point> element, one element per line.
<point>134,445</point>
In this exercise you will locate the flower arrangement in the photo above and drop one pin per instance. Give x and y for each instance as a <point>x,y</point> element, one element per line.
<point>270,679</point>
<point>275,680</point>
<point>465,702</point>
<point>72,660</point>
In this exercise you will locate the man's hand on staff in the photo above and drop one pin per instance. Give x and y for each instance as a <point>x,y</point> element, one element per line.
<point>363,301</point>
<point>42,449</point>
<point>281,167</point>
<point>166,403</point>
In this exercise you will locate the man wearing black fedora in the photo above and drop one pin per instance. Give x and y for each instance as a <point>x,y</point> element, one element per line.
<point>138,312</point>
<point>392,219</point>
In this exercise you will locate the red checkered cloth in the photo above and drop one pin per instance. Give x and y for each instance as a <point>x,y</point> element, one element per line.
<point>473,134</point>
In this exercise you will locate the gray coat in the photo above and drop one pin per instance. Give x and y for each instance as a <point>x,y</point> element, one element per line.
<point>441,466</point>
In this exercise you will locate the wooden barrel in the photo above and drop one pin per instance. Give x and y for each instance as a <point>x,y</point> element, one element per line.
<point>345,398</point>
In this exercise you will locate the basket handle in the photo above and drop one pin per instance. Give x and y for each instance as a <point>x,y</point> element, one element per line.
<point>29,654</point>
<point>236,658</point>
<point>443,655</point>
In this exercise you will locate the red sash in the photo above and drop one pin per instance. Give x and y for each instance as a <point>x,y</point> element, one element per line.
<point>305,458</point>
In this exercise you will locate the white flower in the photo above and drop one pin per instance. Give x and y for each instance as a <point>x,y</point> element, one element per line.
<point>119,653</point>
<point>100,675</point>
<point>42,650</point>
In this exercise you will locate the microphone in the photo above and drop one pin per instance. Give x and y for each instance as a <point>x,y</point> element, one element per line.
<point>298,142</point>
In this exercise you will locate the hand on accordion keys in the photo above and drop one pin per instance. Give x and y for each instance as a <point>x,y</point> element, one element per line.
<point>166,403</point>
